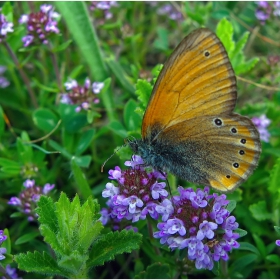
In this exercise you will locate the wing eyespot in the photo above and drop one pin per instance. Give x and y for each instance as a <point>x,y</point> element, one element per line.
<point>241,152</point>
<point>235,165</point>
<point>228,176</point>
<point>218,122</point>
<point>233,130</point>
<point>243,141</point>
<point>206,53</point>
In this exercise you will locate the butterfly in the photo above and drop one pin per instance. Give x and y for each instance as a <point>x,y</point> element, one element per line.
<point>189,127</point>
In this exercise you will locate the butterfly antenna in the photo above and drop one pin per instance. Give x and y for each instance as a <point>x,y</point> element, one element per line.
<point>102,167</point>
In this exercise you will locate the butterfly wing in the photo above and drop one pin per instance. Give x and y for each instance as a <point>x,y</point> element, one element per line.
<point>197,79</point>
<point>189,122</point>
<point>222,156</point>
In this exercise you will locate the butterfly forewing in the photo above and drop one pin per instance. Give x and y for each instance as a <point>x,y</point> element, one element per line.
<point>196,77</point>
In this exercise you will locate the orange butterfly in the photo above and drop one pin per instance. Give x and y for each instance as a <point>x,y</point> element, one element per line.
<point>189,127</point>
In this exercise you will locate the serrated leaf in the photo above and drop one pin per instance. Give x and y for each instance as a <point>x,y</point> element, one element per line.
<point>248,247</point>
<point>111,244</point>
<point>273,186</point>
<point>224,31</point>
<point>143,90</point>
<point>39,263</point>
<point>240,45</point>
<point>155,271</point>
<point>246,67</point>
<point>259,211</point>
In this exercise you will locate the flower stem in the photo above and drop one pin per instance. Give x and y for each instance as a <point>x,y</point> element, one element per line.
<point>56,68</point>
<point>224,268</point>
<point>22,73</point>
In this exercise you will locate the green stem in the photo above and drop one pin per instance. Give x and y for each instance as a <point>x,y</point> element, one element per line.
<point>22,73</point>
<point>56,69</point>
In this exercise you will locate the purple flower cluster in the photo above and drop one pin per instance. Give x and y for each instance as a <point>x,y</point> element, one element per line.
<point>170,11</point>
<point>199,222</point>
<point>40,25</point>
<point>5,27</point>
<point>82,95</point>
<point>136,194</point>
<point>277,242</point>
<point>2,249</point>
<point>262,123</point>
<point>104,6</point>
<point>27,200</point>
<point>195,220</point>
<point>265,9</point>
<point>3,81</point>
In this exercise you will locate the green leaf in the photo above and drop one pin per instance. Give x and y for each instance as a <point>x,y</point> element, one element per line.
<point>25,151</point>
<point>111,244</point>
<point>83,161</point>
<point>85,141</point>
<point>80,179</point>
<point>75,122</point>
<point>242,262</point>
<point>224,31</point>
<point>240,45</point>
<point>9,166</point>
<point>118,128</point>
<point>231,206</point>
<point>241,232</point>
<point>248,247</point>
<point>260,245</point>
<point>277,229</point>
<point>26,238</point>
<point>155,271</point>
<point>246,66</point>
<point>259,211</point>
<point>161,42</point>
<point>45,119</point>
<point>273,186</point>
<point>39,263</point>
<point>273,258</point>
<point>62,47</point>
<point>143,90</point>
<point>131,119</point>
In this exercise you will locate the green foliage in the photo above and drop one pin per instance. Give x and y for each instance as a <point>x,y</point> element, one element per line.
<point>259,211</point>
<point>235,50</point>
<point>73,231</point>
